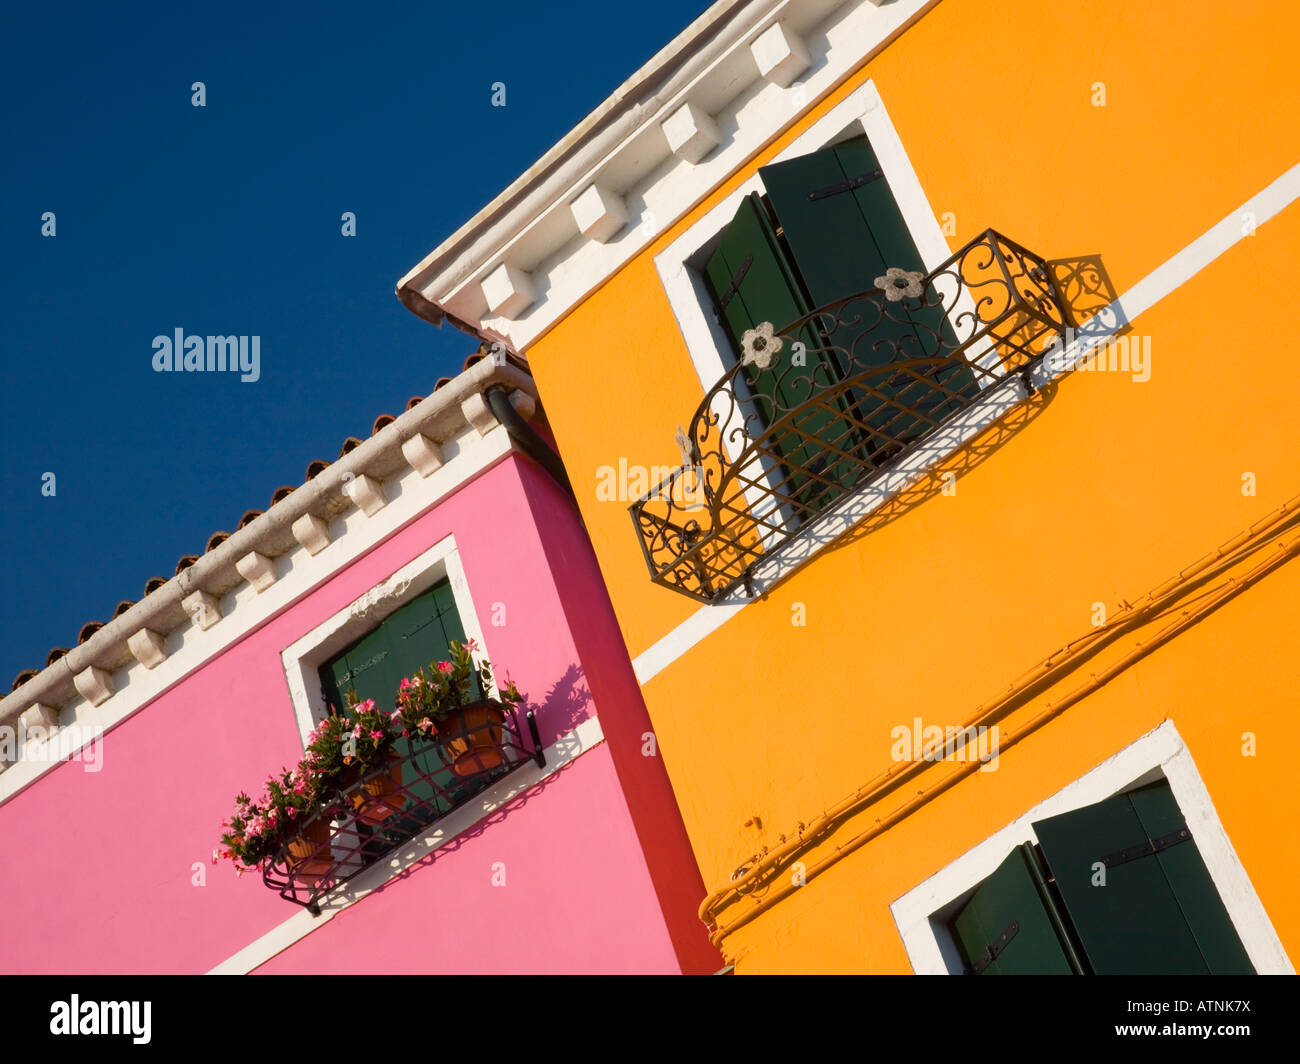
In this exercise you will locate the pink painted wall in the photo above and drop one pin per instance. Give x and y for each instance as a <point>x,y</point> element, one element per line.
<point>448,917</point>
<point>625,721</point>
<point>97,869</point>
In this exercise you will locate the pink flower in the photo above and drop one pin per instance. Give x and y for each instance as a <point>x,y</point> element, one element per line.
<point>376,735</point>
<point>405,684</point>
<point>293,812</point>
<point>472,646</point>
<point>357,732</point>
<point>405,733</point>
<point>444,666</point>
<point>425,724</point>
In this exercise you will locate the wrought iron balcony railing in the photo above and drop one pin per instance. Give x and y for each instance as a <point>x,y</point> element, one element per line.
<point>834,400</point>
<point>379,813</point>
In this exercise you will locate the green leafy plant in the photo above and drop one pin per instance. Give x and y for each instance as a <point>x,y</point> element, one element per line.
<point>260,826</point>
<point>425,699</point>
<point>344,747</point>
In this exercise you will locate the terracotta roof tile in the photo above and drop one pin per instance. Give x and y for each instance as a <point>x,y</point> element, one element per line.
<point>87,630</point>
<point>217,538</point>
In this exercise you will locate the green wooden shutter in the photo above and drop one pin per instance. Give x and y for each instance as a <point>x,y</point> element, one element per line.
<point>1010,926</point>
<point>843,235</point>
<point>751,281</point>
<point>411,637</point>
<point>1158,912</point>
<point>841,241</point>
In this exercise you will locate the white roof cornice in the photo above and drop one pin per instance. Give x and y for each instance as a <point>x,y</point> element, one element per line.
<point>414,441</point>
<point>695,113</point>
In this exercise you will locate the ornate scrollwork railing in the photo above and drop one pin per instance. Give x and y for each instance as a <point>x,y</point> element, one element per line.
<point>372,816</point>
<point>849,391</point>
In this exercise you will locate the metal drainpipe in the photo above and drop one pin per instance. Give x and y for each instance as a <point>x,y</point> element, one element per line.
<point>522,433</point>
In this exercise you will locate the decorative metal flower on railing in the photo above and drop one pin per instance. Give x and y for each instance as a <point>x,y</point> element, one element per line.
<point>817,409</point>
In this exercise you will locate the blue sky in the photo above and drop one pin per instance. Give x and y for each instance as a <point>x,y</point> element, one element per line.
<point>225,219</point>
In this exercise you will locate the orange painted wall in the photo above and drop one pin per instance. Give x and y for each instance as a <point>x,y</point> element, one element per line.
<point>1098,491</point>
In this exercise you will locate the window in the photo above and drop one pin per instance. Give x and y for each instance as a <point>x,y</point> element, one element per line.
<point>784,455</point>
<point>827,227</point>
<point>864,387</point>
<point>1118,887</point>
<point>410,638</point>
<point>926,912</point>
<point>369,645</point>
<point>861,118</point>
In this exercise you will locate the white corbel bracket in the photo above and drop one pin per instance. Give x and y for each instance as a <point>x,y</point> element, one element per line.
<point>37,721</point>
<point>691,132</point>
<point>203,607</point>
<point>257,569</point>
<point>312,532</point>
<point>422,454</point>
<point>599,213</point>
<point>147,647</point>
<point>94,684</point>
<point>509,291</point>
<point>781,55</point>
<point>367,493</point>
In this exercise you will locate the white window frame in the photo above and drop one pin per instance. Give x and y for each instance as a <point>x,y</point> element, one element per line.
<point>680,263</point>
<point>921,914</point>
<point>681,269</point>
<point>303,658</point>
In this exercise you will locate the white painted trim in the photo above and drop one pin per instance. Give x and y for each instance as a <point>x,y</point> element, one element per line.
<point>919,914</point>
<point>1158,284</point>
<point>303,658</point>
<point>563,751</point>
<point>530,225</point>
<point>192,595</point>
<point>680,264</point>
<point>1176,271</point>
<point>353,533</point>
<point>844,516</point>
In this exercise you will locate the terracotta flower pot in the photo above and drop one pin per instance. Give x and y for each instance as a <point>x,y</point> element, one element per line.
<point>380,797</point>
<point>472,737</point>
<point>309,853</point>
